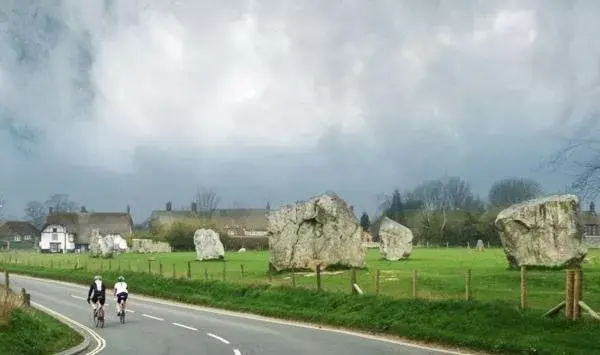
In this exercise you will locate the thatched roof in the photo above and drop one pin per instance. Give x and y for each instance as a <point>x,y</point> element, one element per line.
<point>82,224</point>
<point>253,219</point>
<point>21,228</point>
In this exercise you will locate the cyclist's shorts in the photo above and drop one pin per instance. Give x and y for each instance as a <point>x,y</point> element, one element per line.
<point>122,297</point>
<point>96,298</point>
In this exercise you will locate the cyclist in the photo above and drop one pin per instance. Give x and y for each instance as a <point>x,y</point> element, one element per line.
<point>121,294</point>
<point>97,293</point>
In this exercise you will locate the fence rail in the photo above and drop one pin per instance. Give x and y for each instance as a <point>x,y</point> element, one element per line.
<point>527,289</point>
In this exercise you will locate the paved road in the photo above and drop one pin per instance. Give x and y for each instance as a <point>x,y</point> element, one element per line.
<point>156,327</point>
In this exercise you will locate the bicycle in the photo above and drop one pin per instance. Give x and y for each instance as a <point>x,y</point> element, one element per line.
<point>99,316</point>
<point>122,312</point>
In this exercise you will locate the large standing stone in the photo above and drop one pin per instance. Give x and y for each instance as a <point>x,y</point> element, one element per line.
<point>101,246</point>
<point>543,232</point>
<point>322,231</point>
<point>395,240</point>
<point>208,245</point>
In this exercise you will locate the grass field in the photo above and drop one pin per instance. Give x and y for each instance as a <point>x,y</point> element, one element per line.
<point>18,324</point>
<point>441,273</point>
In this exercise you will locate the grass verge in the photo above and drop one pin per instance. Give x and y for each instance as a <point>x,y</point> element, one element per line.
<point>26,331</point>
<point>494,327</point>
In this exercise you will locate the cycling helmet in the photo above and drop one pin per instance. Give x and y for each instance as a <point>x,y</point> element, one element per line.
<point>120,279</point>
<point>97,277</point>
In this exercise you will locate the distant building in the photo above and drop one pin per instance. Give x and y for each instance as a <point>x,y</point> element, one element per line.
<point>71,231</point>
<point>239,222</point>
<point>18,235</point>
<point>591,224</point>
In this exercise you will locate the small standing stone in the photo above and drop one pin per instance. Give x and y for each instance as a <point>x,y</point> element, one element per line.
<point>480,245</point>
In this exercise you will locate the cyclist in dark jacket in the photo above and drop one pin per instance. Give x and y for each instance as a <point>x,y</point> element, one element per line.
<point>97,293</point>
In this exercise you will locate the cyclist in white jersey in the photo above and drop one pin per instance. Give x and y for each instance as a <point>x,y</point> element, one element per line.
<point>121,293</point>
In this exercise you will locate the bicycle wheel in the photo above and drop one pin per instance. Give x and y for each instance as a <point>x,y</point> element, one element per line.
<point>122,317</point>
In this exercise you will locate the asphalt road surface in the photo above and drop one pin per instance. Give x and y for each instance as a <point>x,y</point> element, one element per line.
<point>156,327</point>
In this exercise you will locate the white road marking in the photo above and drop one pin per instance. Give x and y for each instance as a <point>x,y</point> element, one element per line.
<point>185,326</point>
<point>129,310</point>
<point>222,340</point>
<point>79,298</point>
<point>152,317</point>
<point>236,352</point>
<point>101,343</point>
<point>250,316</point>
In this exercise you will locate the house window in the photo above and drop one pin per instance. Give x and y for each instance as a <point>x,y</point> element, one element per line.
<point>17,238</point>
<point>27,237</point>
<point>54,236</point>
<point>54,230</point>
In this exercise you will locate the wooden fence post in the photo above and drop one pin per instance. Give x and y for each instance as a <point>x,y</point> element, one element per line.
<point>319,285</point>
<point>6,279</point>
<point>160,269</point>
<point>242,270</point>
<point>414,284</point>
<point>468,285</point>
<point>577,292</point>
<point>293,279</point>
<point>205,273</point>
<point>224,271</point>
<point>119,265</point>
<point>353,281</point>
<point>523,287</point>
<point>189,270</point>
<point>569,294</point>
<point>26,298</point>
<point>377,275</point>
<point>150,266</point>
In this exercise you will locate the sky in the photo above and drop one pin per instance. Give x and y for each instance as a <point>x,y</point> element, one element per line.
<point>139,102</point>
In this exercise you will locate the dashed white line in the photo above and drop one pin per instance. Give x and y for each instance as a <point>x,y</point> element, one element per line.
<point>222,340</point>
<point>152,317</point>
<point>236,352</point>
<point>79,298</point>
<point>129,310</point>
<point>185,326</point>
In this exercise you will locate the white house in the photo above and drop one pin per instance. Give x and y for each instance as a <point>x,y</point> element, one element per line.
<point>55,238</point>
<point>70,231</point>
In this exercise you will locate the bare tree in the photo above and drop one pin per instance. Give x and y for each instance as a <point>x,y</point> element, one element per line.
<point>582,157</point>
<point>61,203</point>
<point>1,208</point>
<point>206,201</point>
<point>509,191</point>
<point>35,212</point>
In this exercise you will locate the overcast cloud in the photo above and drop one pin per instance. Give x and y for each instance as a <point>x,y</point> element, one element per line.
<point>118,102</point>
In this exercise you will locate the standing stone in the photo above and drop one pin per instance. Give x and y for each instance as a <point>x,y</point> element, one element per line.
<point>395,240</point>
<point>321,231</point>
<point>101,246</point>
<point>208,245</point>
<point>543,232</point>
<point>480,245</point>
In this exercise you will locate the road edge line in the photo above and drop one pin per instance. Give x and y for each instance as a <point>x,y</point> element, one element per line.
<point>84,331</point>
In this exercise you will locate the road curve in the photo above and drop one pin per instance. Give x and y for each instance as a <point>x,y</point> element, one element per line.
<point>156,327</point>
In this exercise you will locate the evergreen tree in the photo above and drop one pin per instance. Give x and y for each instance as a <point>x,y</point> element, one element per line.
<point>396,210</point>
<point>365,222</point>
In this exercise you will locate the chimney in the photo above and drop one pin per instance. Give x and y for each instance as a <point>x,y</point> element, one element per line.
<point>50,210</point>
<point>194,207</point>
<point>592,207</point>
<point>128,209</point>
<point>169,206</point>
<point>83,210</point>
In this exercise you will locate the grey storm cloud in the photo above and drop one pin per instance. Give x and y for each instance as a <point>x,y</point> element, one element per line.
<point>121,101</point>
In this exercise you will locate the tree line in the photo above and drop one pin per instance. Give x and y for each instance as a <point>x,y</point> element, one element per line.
<point>447,212</point>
